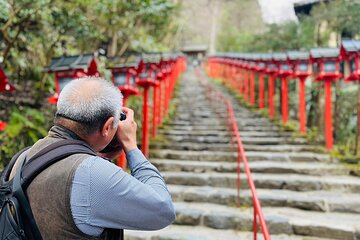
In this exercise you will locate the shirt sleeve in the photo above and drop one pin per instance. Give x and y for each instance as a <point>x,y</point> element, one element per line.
<point>104,196</point>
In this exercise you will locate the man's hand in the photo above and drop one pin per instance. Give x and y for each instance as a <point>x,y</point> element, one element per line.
<point>126,132</point>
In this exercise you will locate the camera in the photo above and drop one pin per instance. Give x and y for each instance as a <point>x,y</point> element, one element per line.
<point>122,116</point>
<point>114,143</point>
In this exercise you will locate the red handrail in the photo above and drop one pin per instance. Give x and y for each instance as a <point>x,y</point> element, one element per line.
<point>215,95</point>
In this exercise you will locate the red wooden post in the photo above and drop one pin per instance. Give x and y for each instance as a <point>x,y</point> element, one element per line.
<point>284,99</point>
<point>146,80</point>
<point>145,124</point>
<point>300,64</point>
<point>246,87</point>
<point>302,105</point>
<point>283,71</point>
<point>270,70</point>
<point>159,100</point>
<point>350,51</point>
<point>124,72</point>
<point>271,95</point>
<point>252,87</point>
<point>154,113</point>
<point>328,70</point>
<point>261,90</point>
<point>328,115</point>
<point>241,81</point>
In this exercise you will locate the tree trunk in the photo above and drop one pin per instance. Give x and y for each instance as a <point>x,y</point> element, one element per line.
<point>112,47</point>
<point>215,6</point>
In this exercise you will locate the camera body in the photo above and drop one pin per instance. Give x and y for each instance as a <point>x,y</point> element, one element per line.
<point>114,143</point>
<point>122,116</point>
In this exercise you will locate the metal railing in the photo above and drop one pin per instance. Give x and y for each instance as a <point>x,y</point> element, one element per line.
<point>216,97</point>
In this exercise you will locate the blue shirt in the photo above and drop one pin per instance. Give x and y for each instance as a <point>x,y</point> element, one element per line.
<point>104,196</point>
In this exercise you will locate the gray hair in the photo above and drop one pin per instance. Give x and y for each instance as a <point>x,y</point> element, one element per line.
<point>90,101</point>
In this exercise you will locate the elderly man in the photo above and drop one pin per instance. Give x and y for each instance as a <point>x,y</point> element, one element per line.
<point>83,196</point>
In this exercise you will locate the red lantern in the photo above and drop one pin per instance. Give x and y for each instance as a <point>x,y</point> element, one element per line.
<point>261,70</point>
<point>327,63</point>
<point>283,71</point>
<point>5,86</point>
<point>146,80</point>
<point>270,70</point>
<point>68,68</point>
<point>350,51</point>
<point>301,70</point>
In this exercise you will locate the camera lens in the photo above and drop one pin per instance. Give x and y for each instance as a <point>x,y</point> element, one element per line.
<point>122,116</point>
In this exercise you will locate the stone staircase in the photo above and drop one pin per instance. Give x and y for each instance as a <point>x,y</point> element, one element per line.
<point>304,195</point>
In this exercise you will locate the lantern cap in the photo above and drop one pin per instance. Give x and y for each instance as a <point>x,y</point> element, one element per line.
<point>125,61</point>
<point>279,57</point>
<point>64,63</point>
<point>350,45</point>
<point>266,56</point>
<point>298,55</point>
<point>317,53</point>
<point>151,57</point>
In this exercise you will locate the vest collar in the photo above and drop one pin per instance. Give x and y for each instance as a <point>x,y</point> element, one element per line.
<point>59,131</point>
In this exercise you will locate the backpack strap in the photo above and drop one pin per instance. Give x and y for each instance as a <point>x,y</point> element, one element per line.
<point>4,176</point>
<point>28,170</point>
<point>50,155</point>
<point>18,192</point>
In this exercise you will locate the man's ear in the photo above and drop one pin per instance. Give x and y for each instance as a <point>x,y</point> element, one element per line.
<point>107,127</point>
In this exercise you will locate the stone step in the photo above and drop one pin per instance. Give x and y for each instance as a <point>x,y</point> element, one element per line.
<point>187,125</point>
<point>315,168</point>
<point>225,133</point>
<point>323,201</point>
<point>231,147</point>
<point>217,121</point>
<point>232,156</point>
<point>294,182</point>
<point>245,140</point>
<point>342,226</point>
<point>214,118</point>
<point>178,232</point>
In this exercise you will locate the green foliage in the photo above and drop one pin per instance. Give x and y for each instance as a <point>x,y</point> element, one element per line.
<point>25,127</point>
<point>34,31</point>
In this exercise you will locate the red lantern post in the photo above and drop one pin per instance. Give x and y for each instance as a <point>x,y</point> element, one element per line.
<point>328,63</point>
<point>350,51</point>
<point>283,72</point>
<point>252,68</point>
<point>302,70</point>
<point>242,77</point>
<point>271,71</point>
<point>261,69</point>
<point>68,68</point>
<point>146,81</point>
<point>5,86</point>
<point>124,73</point>
<point>247,81</point>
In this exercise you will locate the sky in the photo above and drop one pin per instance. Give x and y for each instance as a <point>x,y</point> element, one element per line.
<point>278,11</point>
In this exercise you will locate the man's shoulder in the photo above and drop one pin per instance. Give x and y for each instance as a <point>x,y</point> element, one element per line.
<point>97,167</point>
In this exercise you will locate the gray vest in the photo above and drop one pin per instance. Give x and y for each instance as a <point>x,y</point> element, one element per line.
<point>49,195</point>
